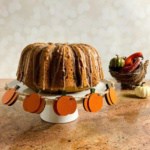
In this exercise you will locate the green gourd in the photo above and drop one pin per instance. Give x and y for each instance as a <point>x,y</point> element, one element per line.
<point>117,62</point>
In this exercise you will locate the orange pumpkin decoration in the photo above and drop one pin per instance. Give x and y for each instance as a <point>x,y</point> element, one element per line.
<point>93,102</point>
<point>10,96</point>
<point>33,103</point>
<point>65,105</point>
<point>111,96</point>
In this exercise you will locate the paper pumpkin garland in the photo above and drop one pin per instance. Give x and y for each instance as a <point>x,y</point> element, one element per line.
<point>63,105</point>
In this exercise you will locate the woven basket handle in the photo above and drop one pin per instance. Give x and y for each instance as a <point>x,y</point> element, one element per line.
<point>146,65</point>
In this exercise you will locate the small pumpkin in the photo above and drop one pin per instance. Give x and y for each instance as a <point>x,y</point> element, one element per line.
<point>117,62</point>
<point>142,91</point>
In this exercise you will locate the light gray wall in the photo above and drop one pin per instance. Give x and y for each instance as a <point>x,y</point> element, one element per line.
<point>112,26</point>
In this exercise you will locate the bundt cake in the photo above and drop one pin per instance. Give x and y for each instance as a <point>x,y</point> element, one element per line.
<point>54,68</point>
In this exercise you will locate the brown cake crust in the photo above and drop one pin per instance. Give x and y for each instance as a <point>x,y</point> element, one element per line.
<point>59,67</point>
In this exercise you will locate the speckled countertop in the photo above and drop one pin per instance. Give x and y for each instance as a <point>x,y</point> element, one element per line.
<point>125,126</point>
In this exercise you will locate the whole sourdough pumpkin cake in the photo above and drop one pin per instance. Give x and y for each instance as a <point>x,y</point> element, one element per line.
<point>52,68</point>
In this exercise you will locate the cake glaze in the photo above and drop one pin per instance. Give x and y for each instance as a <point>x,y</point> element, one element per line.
<point>53,68</point>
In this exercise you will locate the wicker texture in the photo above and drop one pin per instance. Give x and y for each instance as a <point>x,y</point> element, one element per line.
<point>130,80</point>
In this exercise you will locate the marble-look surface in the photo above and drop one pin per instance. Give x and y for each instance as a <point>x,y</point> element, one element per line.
<point>111,26</point>
<point>125,126</point>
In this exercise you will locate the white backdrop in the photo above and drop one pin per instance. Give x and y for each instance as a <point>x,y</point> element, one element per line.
<point>112,26</point>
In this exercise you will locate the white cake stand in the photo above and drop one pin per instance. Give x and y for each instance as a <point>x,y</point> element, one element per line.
<point>48,113</point>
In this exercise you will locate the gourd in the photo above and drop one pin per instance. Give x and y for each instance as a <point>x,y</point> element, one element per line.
<point>142,91</point>
<point>117,62</point>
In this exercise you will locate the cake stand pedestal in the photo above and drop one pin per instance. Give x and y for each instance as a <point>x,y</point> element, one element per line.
<point>48,113</point>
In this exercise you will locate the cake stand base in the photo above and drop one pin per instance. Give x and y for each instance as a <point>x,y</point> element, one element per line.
<point>48,115</point>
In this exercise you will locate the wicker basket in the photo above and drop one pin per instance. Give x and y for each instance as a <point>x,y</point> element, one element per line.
<point>130,80</point>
